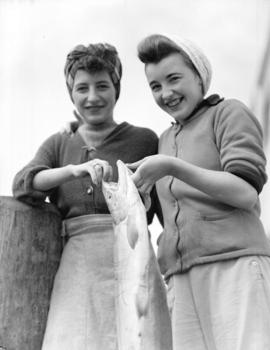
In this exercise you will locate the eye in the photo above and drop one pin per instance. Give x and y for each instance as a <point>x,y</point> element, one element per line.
<point>103,86</point>
<point>155,87</point>
<point>174,78</point>
<point>109,195</point>
<point>81,89</point>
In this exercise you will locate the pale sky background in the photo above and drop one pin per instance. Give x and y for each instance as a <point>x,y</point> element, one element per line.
<point>36,35</point>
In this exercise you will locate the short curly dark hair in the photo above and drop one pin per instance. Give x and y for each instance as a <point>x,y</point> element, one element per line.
<point>94,58</point>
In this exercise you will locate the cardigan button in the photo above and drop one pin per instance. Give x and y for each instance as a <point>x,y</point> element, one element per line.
<point>90,190</point>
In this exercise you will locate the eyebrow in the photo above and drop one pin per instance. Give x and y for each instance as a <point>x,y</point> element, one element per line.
<point>153,82</point>
<point>175,73</point>
<point>103,81</point>
<point>86,83</point>
<point>80,83</point>
<point>167,76</point>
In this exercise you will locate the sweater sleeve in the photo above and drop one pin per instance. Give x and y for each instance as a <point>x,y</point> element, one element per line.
<point>239,141</point>
<point>45,158</point>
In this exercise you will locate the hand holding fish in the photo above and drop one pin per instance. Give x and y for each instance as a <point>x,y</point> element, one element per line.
<point>98,170</point>
<point>149,170</point>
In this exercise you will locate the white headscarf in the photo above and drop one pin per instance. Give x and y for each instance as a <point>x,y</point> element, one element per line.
<point>197,57</point>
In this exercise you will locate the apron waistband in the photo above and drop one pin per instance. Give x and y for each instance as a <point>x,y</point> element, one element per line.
<point>81,224</point>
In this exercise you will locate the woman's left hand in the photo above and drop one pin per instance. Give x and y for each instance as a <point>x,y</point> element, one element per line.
<point>149,170</point>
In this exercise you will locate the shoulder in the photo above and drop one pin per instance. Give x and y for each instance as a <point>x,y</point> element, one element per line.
<point>166,133</point>
<point>235,112</point>
<point>54,144</point>
<point>141,131</point>
<point>140,136</point>
<point>58,138</point>
<point>234,107</point>
<point>143,141</point>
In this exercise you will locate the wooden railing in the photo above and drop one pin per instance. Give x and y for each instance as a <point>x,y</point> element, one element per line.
<point>30,250</point>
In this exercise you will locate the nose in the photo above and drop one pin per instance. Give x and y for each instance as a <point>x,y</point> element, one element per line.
<point>92,95</point>
<point>166,93</point>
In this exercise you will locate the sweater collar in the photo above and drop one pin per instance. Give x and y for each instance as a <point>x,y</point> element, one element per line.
<point>210,101</point>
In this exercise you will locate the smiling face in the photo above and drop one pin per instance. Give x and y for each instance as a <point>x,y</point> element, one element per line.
<point>94,96</point>
<point>176,88</point>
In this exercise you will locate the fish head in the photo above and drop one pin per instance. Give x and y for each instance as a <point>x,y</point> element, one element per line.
<point>121,195</point>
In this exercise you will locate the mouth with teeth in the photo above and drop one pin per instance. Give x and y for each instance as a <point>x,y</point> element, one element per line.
<point>174,103</point>
<point>94,108</point>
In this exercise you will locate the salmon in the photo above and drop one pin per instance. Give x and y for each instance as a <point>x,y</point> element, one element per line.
<point>142,315</point>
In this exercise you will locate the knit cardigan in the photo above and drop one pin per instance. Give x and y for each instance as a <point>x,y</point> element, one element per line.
<point>126,142</point>
<point>222,135</point>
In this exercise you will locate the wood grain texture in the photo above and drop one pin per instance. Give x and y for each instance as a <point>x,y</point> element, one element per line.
<point>30,250</point>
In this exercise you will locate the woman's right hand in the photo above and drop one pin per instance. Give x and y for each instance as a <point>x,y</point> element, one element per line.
<point>98,170</point>
<point>49,178</point>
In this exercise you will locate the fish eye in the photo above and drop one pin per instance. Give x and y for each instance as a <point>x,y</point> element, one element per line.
<point>109,195</point>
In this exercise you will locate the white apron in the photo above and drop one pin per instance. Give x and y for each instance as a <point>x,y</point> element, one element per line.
<point>82,308</point>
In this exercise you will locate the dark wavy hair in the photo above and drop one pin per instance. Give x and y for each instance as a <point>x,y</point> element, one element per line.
<point>94,58</point>
<point>155,47</point>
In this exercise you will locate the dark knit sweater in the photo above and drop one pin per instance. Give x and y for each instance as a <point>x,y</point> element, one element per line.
<point>125,142</point>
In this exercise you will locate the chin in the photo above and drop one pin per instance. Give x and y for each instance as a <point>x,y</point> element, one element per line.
<point>179,118</point>
<point>95,120</point>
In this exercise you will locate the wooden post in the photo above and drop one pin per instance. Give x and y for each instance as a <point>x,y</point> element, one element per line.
<point>30,250</point>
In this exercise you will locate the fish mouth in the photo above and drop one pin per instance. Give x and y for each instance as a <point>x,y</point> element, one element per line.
<point>121,187</point>
<point>123,174</point>
<point>116,194</point>
<point>122,184</point>
<point>124,187</point>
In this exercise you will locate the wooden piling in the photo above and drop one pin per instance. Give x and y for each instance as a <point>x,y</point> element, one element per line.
<point>30,250</point>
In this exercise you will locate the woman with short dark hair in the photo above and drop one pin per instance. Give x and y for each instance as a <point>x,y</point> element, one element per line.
<point>68,168</point>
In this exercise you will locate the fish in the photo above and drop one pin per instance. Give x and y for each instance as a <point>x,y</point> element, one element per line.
<point>142,315</point>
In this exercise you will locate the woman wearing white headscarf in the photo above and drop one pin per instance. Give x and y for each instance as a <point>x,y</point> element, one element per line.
<point>213,251</point>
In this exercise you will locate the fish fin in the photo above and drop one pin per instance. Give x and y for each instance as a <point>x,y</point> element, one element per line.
<point>142,300</point>
<point>132,232</point>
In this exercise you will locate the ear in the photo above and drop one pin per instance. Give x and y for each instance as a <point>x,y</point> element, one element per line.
<point>201,84</point>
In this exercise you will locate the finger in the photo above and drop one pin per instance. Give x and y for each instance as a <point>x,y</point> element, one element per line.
<point>99,173</point>
<point>138,181</point>
<point>101,169</point>
<point>66,129</point>
<point>63,130</point>
<point>107,173</point>
<point>93,175</point>
<point>145,188</point>
<point>135,165</point>
<point>146,200</point>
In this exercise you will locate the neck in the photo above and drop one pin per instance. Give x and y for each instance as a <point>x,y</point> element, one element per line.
<point>102,127</point>
<point>95,134</point>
